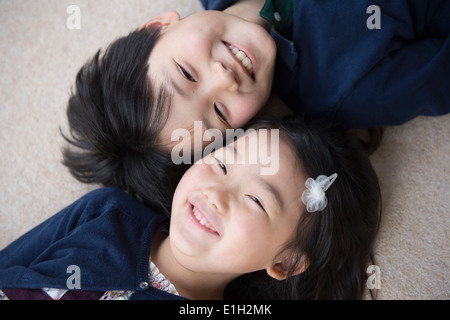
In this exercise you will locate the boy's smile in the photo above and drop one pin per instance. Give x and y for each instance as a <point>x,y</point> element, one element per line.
<point>244,58</point>
<point>217,68</point>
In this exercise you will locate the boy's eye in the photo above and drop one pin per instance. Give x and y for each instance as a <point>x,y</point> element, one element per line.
<point>220,114</point>
<point>186,74</point>
<point>257,201</point>
<point>222,166</point>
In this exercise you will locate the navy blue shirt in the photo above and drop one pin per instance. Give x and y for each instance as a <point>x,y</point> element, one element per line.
<point>106,233</point>
<point>331,65</point>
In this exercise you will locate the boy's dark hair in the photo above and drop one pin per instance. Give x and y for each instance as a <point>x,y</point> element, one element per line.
<point>115,116</point>
<point>336,242</point>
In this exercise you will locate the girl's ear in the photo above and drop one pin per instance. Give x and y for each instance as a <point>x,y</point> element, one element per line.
<point>280,269</point>
<point>163,20</point>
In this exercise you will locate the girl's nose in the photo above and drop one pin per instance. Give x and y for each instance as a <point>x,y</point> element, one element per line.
<point>218,198</point>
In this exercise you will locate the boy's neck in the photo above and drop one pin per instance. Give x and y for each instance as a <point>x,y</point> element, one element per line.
<point>189,284</point>
<point>274,108</point>
<point>249,10</point>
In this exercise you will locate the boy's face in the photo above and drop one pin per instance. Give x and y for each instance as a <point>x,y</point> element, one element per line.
<point>207,81</point>
<point>229,219</point>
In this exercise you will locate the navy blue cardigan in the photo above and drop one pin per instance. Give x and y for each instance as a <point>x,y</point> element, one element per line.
<point>106,233</point>
<point>331,65</point>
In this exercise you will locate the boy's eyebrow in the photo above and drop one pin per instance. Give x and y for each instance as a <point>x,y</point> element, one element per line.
<point>177,88</point>
<point>171,83</point>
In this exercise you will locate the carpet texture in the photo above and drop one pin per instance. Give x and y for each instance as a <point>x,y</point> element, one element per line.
<point>40,56</point>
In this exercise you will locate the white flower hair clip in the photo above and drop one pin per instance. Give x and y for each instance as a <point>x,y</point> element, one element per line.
<point>314,196</point>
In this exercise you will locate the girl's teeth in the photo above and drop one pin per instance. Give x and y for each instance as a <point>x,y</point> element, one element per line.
<point>240,55</point>
<point>200,219</point>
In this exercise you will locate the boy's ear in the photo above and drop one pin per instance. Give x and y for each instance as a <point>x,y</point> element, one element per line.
<point>279,270</point>
<point>163,20</point>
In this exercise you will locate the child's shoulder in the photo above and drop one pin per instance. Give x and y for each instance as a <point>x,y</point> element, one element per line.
<point>110,200</point>
<point>105,196</point>
<point>105,193</point>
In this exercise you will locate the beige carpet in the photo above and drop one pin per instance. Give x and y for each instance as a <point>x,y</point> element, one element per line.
<point>39,58</point>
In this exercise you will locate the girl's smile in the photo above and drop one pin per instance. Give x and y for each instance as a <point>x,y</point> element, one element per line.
<point>201,220</point>
<point>228,218</point>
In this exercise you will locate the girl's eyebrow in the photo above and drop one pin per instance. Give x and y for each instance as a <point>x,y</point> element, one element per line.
<point>272,192</point>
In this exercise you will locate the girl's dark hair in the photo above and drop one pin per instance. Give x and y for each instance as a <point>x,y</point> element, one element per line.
<point>114,117</point>
<point>336,243</point>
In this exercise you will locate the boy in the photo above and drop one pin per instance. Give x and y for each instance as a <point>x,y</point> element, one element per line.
<point>210,67</point>
<point>217,67</point>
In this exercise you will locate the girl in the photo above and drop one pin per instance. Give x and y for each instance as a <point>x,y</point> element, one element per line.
<point>303,232</point>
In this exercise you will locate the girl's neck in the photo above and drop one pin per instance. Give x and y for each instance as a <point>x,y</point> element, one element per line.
<point>249,10</point>
<point>188,283</point>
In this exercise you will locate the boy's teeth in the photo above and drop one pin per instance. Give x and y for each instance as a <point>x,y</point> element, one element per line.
<point>240,55</point>
<point>246,62</point>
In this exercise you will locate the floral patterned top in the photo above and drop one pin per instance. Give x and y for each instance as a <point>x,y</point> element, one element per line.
<point>157,280</point>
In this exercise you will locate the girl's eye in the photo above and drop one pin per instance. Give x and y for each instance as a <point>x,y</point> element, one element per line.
<point>220,114</point>
<point>222,166</point>
<point>186,74</point>
<point>257,202</point>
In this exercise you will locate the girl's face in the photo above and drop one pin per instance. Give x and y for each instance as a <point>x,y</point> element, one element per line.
<point>206,80</point>
<point>229,219</point>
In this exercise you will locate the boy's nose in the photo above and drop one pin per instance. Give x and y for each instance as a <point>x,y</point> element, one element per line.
<point>224,78</point>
